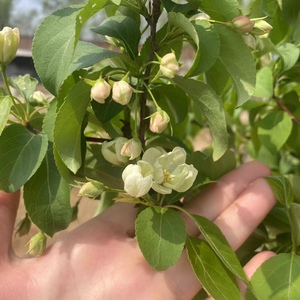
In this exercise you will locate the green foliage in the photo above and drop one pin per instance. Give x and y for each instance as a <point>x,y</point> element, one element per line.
<point>187,63</point>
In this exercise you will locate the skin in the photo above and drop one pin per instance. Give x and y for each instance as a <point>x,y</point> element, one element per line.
<point>101,259</point>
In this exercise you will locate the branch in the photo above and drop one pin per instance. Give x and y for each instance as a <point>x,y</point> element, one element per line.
<point>284,108</point>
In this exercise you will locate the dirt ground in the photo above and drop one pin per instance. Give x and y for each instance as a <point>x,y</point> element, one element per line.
<point>86,211</point>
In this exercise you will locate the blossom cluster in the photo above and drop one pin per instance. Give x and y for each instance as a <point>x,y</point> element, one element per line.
<point>163,172</point>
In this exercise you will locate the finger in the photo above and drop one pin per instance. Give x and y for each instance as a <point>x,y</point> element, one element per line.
<point>253,265</point>
<point>8,209</point>
<point>246,212</point>
<point>217,197</point>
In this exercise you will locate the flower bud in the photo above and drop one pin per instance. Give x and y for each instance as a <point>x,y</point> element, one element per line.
<point>122,92</point>
<point>37,244</point>
<point>92,189</point>
<point>261,27</point>
<point>132,148</point>
<point>159,121</point>
<point>9,43</point>
<point>100,91</point>
<point>169,65</point>
<point>38,99</point>
<point>111,151</point>
<point>242,24</point>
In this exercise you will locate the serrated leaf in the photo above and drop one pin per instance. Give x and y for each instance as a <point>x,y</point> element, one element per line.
<point>5,106</point>
<point>161,235</point>
<point>220,246</point>
<point>238,61</point>
<point>213,275</point>
<point>282,189</point>
<point>274,130</point>
<point>68,125</point>
<point>124,29</point>
<point>211,106</point>
<point>222,10</point>
<point>47,197</point>
<point>277,278</point>
<point>21,153</point>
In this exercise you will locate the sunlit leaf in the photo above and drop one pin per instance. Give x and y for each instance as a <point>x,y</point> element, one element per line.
<point>209,269</point>
<point>47,197</point>
<point>161,236</point>
<point>21,153</point>
<point>264,83</point>
<point>278,278</point>
<point>5,106</point>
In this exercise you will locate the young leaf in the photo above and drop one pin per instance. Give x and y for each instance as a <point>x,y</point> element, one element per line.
<point>21,153</point>
<point>5,106</point>
<point>209,269</point>
<point>211,106</point>
<point>25,85</point>
<point>220,246</point>
<point>124,29</point>
<point>238,61</point>
<point>68,125</point>
<point>282,189</point>
<point>161,235</point>
<point>47,197</point>
<point>264,83</point>
<point>289,54</point>
<point>277,278</point>
<point>274,130</point>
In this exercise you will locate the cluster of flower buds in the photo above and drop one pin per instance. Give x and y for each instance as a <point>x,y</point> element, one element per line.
<point>120,150</point>
<point>257,26</point>
<point>9,43</point>
<point>163,172</point>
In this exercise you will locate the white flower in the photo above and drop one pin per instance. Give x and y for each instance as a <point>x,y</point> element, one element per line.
<point>137,180</point>
<point>9,43</point>
<point>132,148</point>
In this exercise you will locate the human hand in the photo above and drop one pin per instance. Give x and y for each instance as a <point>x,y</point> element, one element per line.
<point>101,259</point>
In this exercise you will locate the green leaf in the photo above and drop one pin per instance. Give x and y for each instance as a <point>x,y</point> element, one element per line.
<point>124,29</point>
<point>47,197</point>
<point>211,106</point>
<point>282,189</point>
<point>238,61</point>
<point>21,153</point>
<point>222,10</point>
<point>277,278</point>
<point>68,125</point>
<point>219,244</point>
<point>274,130</point>
<point>186,9</point>
<point>210,271</point>
<point>289,54</point>
<point>208,48</point>
<point>55,40</point>
<point>161,235</point>
<point>25,85</point>
<point>264,83</point>
<point>5,106</point>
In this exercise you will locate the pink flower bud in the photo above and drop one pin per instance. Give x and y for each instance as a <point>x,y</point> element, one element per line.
<point>100,90</point>
<point>169,65</point>
<point>159,121</point>
<point>122,92</point>
<point>261,27</point>
<point>242,24</point>
<point>9,43</point>
<point>132,148</point>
